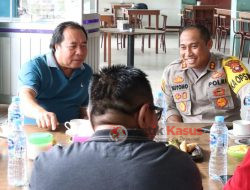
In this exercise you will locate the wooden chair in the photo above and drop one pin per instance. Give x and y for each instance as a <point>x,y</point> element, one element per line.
<point>163,36</point>
<point>217,31</point>
<point>108,21</point>
<point>225,29</point>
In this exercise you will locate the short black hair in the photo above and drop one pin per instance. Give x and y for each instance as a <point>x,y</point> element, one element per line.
<point>120,88</point>
<point>204,32</point>
<point>58,37</point>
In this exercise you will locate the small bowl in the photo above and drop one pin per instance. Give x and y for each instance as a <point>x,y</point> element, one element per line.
<point>237,151</point>
<point>241,128</point>
<point>37,143</point>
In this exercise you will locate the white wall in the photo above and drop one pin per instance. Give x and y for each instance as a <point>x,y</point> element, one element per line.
<point>169,7</point>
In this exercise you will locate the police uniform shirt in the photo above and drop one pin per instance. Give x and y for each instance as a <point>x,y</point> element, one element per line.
<point>199,98</point>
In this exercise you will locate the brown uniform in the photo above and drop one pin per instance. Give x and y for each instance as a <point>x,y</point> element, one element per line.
<point>200,98</point>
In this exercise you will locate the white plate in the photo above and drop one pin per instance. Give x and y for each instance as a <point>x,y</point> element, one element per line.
<point>232,136</point>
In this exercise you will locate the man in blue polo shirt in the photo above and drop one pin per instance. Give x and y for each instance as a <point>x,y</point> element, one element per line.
<point>54,86</point>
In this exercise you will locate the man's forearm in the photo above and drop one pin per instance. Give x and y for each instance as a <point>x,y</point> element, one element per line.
<point>174,119</point>
<point>29,105</point>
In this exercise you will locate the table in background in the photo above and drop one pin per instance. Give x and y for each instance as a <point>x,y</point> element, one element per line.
<point>62,138</point>
<point>130,46</point>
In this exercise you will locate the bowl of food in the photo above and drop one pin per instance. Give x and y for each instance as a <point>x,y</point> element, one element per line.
<point>237,151</point>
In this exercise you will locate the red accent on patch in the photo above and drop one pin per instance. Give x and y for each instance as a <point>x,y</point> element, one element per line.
<point>221,102</point>
<point>235,66</point>
<point>219,92</point>
<point>177,96</point>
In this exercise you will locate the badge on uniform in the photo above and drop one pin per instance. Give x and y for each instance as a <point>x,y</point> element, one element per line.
<point>219,92</point>
<point>237,73</point>
<point>183,65</point>
<point>221,102</point>
<point>183,106</point>
<point>178,80</point>
<point>218,74</point>
<point>212,65</point>
<point>234,65</point>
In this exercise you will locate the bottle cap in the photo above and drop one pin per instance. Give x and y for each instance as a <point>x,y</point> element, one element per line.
<point>15,99</point>
<point>40,138</point>
<point>219,118</point>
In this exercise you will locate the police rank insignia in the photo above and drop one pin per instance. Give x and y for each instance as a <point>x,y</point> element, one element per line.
<point>212,65</point>
<point>183,65</point>
<point>178,80</point>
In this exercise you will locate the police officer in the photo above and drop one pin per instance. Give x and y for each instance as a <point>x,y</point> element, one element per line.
<point>202,84</point>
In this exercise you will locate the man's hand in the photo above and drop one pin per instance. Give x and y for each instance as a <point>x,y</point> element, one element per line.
<point>174,119</point>
<point>47,120</point>
<point>31,108</point>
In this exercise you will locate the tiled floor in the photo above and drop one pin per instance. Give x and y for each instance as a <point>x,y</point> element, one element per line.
<point>152,64</point>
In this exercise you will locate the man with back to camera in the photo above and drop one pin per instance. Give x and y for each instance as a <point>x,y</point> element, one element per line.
<point>202,84</point>
<point>54,86</point>
<point>121,153</point>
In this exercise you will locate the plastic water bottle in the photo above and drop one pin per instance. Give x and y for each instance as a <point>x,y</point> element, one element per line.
<point>247,106</point>
<point>17,155</point>
<point>160,102</point>
<point>218,147</point>
<point>14,111</point>
<point>16,145</point>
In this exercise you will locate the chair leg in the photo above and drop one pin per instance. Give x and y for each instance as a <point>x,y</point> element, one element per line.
<point>233,44</point>
<point>102,40</point>
<point>248,55</point>
<point>242,49</point>
<point>117,41</point>
<point>225,42</point>
<point>142,43</point>
<point>124,41</point>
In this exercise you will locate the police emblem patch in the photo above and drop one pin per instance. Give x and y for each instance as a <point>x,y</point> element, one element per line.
<point>221,102</point>
<point>183,106</point>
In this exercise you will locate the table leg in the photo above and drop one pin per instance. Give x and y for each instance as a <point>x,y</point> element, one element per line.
<point>149,36</point>
<point>104,45</point>
<point>130,50</point>
<point>109,49</point>
<point>156,36</point>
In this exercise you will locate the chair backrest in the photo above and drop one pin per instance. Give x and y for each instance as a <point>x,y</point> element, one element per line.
<point>164,24</point>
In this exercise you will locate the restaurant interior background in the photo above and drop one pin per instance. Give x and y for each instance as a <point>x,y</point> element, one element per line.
<point>26,27</point>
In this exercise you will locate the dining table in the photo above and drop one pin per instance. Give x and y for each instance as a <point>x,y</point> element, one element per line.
<point>171,130</point>
<point>131,38</point>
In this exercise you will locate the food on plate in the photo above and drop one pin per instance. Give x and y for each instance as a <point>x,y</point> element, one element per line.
<point>182,145</point>
<point>191,147</point>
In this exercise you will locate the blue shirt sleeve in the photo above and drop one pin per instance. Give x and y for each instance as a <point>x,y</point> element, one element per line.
<point>29,76</point>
